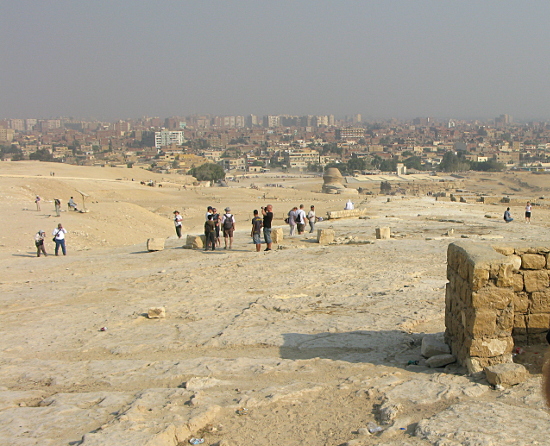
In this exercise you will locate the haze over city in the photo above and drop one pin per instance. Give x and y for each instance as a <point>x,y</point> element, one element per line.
<point>122,59</point>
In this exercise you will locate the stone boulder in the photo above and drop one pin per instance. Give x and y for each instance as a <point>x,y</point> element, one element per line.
<point>434,344</point>
<point>195,241</point>
<point>155,244</point>
<point>508,374</point>
<point>325,236</point>
<point>440,360</point>
<point>383,233</point>
<point>277,235</point>
<point>156,313</point>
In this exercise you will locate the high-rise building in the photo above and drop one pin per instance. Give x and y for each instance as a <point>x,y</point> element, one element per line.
<point>168,137</point>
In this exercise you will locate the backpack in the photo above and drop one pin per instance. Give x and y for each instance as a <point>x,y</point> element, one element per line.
<point>228,222</point>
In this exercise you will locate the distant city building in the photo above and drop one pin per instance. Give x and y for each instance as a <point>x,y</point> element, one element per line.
<point>168,137</point>
<point>350,133</point>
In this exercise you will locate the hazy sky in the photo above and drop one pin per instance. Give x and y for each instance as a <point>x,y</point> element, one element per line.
<point>118,59</point>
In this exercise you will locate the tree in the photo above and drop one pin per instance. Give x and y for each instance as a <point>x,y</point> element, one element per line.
<point>454,163</point>
<point>41,155</point>
<point>414,162</point>
<point>208,172</point>
<point>388,166</point>
<point>356,164</point>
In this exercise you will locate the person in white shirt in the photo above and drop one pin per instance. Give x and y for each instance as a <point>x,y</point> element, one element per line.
<point>349,206</point>
<point>311,219</point>
<point>528,212</point>
<point>301,219</point>
<point>228,226</point>
<point>59,239</point>
<point>177,222</point>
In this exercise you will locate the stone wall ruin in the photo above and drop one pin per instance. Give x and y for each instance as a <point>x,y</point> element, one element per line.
<point>496,297</point>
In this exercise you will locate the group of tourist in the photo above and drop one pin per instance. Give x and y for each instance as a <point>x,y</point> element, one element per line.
<point>58,237</point>
<point>297,219</point>
<point>508,216</point>
<point>57,203</point>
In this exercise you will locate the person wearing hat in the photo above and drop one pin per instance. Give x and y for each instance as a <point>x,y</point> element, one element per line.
<point>228,226</point>
<point>177,222</point>
<point>39,242</point>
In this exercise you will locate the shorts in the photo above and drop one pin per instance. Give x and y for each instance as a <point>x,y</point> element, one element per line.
<point>228,232</point>
<point>267,235</point>
<point>301,227</point>
<point>257,238</point>
<point>528,215</point>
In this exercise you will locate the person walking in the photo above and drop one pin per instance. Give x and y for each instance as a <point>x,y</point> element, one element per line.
<point>37,201</point>
<point>528,212</point>
<point>210,233</point>
<point>228,226</point>
<point>256,232</point>
<point>177,222</point>
<point>311,218</point>
<point>267,212</point>
<point>507,217</point>
<point>216,218</point>
<point>292,220</point>
<point>59,239</point>
<point>39,243</point>
<point>301,220</point>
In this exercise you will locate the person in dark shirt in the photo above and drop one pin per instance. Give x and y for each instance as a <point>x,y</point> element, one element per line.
<point>210,233</point>
<point>267,212</point>
<point>256,232</point>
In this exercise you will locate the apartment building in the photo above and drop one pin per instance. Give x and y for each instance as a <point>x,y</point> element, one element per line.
<point>168,137</point>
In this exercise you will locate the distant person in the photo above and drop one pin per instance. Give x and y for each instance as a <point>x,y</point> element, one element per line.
<point>528,212</point>
<point>72,205</point>
<point>291,220</point>
<point>177,222</point>
<point>57,203</point>
<point>37,201</point>
<point>210,233</point>
<point>349,206</point>
<point>311,218</point>
<point>216,218</point>
<point>228,226</point>
<point>507,217</point>
<point>208,212</point>
<point>39,243</point>
<point>256,232</point>
<point>301,220</point>
<point>59,239</point>
<point>267,212</point>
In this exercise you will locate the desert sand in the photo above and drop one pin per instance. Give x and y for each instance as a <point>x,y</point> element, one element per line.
<point>303,345</point>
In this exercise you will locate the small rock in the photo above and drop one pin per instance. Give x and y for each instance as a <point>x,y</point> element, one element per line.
<point>156,313</point>
<point>362,431</point>
<point>433,345</point>
<point>440,360</point>
<point>508,374</point>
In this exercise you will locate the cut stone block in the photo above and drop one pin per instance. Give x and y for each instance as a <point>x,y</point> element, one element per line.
<point>383,233</point>
<point>433,345</point>
<point>325,236</point>
<point>508,374</point>
<point>440,360</point>
<point>196,241</point>
<point>156,313</point>
<point>277,235</point>
<point>155,244</point>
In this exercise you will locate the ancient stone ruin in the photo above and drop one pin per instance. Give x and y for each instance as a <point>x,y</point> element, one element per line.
<point>497,297</point>
<point>333,183</point>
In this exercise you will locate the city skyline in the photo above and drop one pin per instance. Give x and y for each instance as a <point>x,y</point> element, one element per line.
<point>121,60</point>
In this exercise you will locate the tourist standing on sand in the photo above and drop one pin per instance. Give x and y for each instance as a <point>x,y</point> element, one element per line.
<point>267,212</point>
<point>177,222</point>
<point>37,201</point>
<point>228,226</point>
<point>311,219</point>
<point>292,219</point>
<point>208,212</point>
<point>57,203</point>
<point>59,239</point>
<point>301,220</point>
<point>507,217</point>
<point>210,233</point>
<point>216,218</point>
<point>39,243</point>
<point>528,212</point>
<point>256,232</point>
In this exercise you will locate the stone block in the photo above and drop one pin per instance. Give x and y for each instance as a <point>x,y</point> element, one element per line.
<point>517,283</point>
<point>504,250</point>
<point>521,302</point>
<point>156,313</point>
<point>520,324</point>
<point>533,261</point>
<point>489,347</point>
<point>440,360</point>
<point>196,241</point>
<point>516,262</point>
<point>505,276</point>
<point>505,321</point>
<point>492,297</point>
<point>434,344</point>
<point>535,280</point>
<point>155,244</point>
<point>325,236</point>
<point>480,323</point>
<point>476,364</point>
<point>277,235</point>
<point>540,302</point>
<point>383,233</point>
<point>508,374</point>
<point>538,323</point>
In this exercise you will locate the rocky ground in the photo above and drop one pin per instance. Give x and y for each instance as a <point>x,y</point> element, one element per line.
<point>306,344</point>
